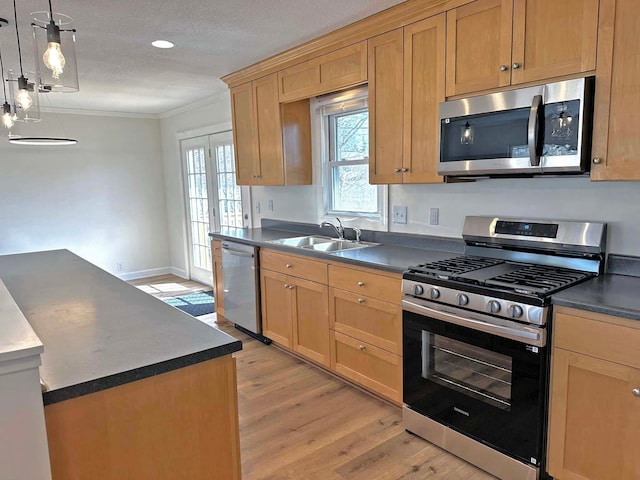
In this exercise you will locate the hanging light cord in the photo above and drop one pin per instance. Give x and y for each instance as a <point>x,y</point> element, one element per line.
<point>4,86</point>
<point>15,16</point>
<point>50,10</point>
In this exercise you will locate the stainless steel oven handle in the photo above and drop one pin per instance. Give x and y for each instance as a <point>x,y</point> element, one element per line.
<point>532,131</point>
<point>523,334</point>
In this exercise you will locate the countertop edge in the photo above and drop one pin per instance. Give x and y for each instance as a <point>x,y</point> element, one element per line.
<point>19,339</point>
<point>121,378</point>
<point>611,310</point>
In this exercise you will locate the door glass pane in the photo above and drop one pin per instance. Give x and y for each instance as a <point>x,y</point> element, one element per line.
<point>473,371</point>
<point>198,207</point>
<point>229,194</point>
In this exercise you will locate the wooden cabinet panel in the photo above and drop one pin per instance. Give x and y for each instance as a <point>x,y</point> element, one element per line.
<point>594,428</point>
<point>385,107</point>
<point>367,365</point>
<point>366,282</point>
<point>294,265</point>
<point>424,89</point>
<point>311,321</point>
<point>377,323</point>
<point>245,135</point>
<point>479,37</point>
<point>218,282</point>
<point>616,142</point>
<point>328,73</point>
<point>269,126</point>
<point>552,38</point>
<point>277,320</point>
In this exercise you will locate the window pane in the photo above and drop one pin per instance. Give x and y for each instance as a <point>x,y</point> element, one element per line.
<point>352,136</point>
<point>351,189</point>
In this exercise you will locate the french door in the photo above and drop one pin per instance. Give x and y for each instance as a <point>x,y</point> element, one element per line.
<point>213,200</point>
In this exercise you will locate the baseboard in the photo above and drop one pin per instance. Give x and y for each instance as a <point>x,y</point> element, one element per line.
<point>179,272</point>
<point>152,272</point>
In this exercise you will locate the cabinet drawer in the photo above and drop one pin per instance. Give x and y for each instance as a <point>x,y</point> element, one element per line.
<point>366,283</point>
<point>294,265</point>
<point>376,322</point>
<point>216,249</point>
<point>371,367</point>
<point>601,339</point>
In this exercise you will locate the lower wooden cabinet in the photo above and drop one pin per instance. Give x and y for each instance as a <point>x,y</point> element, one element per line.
<point>277,322</point>
<point>311,320</point>
<point>594,419</point>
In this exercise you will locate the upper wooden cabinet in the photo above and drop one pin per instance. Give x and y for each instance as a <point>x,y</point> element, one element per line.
<point>406,85</point>
<point>272,142</point>
<point>495,43</point>
<point>616,142</point>
<point>594,418</point>
<point>328,73</point>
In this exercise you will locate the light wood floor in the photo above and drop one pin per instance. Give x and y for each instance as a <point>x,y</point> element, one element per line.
<point>299,422</point>
<point>167,286</point>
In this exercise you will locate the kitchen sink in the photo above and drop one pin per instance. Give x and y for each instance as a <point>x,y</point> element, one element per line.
<point>321,244</point>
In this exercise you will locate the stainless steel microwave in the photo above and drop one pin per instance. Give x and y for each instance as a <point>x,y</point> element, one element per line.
<point>528,131</point>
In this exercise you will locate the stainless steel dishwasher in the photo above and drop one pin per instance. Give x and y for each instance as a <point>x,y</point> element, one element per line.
<point>241,277</point>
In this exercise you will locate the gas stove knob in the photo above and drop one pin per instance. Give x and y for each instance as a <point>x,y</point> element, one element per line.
<point>418,289</point>
<point>462,299</point>
<point>494,306</point>
<point>434,293</point>
<point>515,311</point>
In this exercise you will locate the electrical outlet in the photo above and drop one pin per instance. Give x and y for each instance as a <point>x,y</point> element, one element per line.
<point>399,214</point>
<point>434,216</point>
<point>257,207</point>
<point>271,205</point>
<point>119,267</point>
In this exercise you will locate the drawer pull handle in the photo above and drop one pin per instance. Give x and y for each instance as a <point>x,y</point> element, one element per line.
<point>288,265</point>
<point>362,348</point>
<point>361,284</point>
<point>290,287</point>
<point>636,392</point>
<point>361,300</point>
<point>286,285</point>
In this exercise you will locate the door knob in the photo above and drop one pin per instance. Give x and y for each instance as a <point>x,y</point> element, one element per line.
<point>636,392</point>
<point>503,68</point>
<point>361,284</point>
<point>361,300</point>
<point>405,170</point>
<point>288,265</point>
<point>516,66</point>
<point>396,170</point>
<point>597,160</point>
<point>362,348</point>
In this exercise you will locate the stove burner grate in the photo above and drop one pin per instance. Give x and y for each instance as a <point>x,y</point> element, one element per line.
<point>538,279</point>
<point>455,266</point>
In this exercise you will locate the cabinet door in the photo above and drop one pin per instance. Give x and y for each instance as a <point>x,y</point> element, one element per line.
<point>269,126</point>
<point>311,321</point>
<point>385,108</point>
<point>479,46</point>
<point>424,89</point>
<point>594,419</point>
<point>552,38</point>
<point>616,142</point>
<point>245,134</point>
<point>276,307</point>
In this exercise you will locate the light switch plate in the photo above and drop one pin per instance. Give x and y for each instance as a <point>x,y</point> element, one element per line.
<point>434,216</point>
<point>399,214</point>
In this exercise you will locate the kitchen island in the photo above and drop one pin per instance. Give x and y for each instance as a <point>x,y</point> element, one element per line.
<point>135,388</point>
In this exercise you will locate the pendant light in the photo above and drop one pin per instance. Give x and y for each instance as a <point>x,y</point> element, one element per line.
<point>7,117</point>
<point>24,93</point>
<point>54,41</point>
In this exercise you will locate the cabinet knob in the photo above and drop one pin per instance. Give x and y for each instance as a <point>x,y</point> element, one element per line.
<point>286,285</point>
<point>361,284</point>
<point>516,66</point>
<point>636,392</point>
<point>288,265</point>
<point>361,300</point>
<point>362,348</point>
<point>396,170</point>
<point>503,68</point>
<point>597,160</point>
<point>405,170</point>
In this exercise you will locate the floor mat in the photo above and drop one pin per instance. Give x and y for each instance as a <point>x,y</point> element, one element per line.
<point>196,304</point>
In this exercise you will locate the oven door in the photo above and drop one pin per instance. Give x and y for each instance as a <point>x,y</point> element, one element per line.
<point>484,385</point>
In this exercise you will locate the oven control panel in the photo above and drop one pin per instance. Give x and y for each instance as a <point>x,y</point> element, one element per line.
<point>498,307</point>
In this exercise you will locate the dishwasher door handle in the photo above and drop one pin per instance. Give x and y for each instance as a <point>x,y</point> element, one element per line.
<point>237,253</point>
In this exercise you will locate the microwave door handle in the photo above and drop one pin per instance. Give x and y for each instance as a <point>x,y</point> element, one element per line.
<point>533,131</point>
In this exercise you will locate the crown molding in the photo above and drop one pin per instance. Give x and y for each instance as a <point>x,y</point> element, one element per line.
<point>215,98</point>
<point>99,113</point>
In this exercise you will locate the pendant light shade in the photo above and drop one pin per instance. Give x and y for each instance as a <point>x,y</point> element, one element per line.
<point>23,91</point>
<point>55,51</point>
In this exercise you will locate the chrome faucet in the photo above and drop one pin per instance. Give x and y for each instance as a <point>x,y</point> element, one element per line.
<point>339,230</point>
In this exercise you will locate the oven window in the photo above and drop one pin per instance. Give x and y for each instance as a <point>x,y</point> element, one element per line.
<point>473,371</point>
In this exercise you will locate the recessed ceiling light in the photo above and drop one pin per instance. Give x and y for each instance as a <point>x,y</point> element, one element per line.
<point>162,44</point>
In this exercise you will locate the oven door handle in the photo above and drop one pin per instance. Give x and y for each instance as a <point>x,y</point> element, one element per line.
<point>533,131</point>
<point>529,335</point>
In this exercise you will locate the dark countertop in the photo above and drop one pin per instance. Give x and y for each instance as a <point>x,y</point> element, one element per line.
<point>99,332</point>
<point>392,258</point>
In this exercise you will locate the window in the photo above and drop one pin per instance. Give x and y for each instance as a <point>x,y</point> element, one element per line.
<point>229,194</point>
<point>345,154</point>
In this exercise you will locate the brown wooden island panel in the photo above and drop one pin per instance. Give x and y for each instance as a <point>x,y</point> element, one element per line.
<point>182,424</point>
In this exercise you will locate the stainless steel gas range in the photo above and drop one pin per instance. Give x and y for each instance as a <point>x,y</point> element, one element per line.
<point>476,331</point>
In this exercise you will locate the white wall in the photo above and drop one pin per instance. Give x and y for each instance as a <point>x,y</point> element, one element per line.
<point>210,118</point>
<point>103,199</point>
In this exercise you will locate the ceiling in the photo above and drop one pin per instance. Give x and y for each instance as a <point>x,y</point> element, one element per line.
<point>119,71</point>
